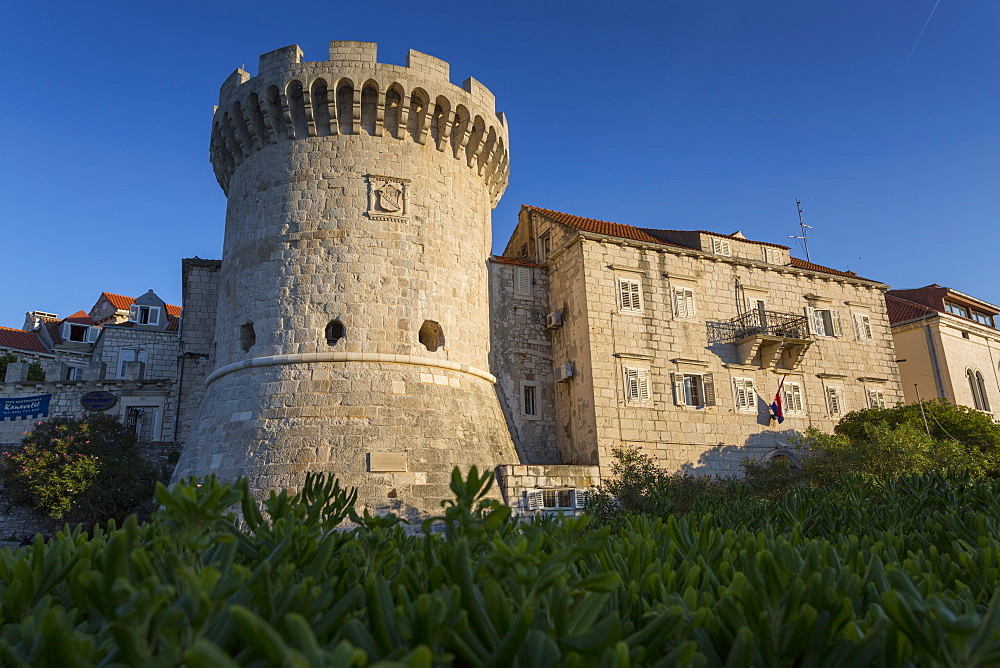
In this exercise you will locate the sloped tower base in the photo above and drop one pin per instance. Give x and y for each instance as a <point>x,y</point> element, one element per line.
<point>394,431</point>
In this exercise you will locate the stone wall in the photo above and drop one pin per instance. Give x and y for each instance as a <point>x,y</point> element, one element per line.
<point>521,356</point>
<point>200,290</point>
<point>601,339</point>
<point>518,481</point>
<point>66,395</point>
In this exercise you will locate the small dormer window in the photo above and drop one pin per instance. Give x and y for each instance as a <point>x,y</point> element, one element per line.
<point>78,333</point>
<point>983,318</point>
<point>144,315</point>
<point>721,246</point>
<point>772,255</point>
<point>956,309</point>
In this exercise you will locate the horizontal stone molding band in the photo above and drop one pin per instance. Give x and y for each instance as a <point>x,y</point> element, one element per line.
<point>384,358</point>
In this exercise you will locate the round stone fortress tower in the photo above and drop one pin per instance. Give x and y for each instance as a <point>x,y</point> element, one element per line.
<point>352,328</point>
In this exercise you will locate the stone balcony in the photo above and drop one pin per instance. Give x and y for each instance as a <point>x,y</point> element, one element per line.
<point>772,339</point>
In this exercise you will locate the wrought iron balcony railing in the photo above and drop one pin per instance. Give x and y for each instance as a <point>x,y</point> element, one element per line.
<point>770,323</point>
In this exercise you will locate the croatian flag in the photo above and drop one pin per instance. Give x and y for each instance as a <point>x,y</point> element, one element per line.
<point>776,407</point>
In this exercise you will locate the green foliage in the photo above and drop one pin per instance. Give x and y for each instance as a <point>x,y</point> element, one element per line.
<point>35,370</point>
<point>79,469</point>
<point>947,422</point>
<point>889,573</point>
<point>637,485</point>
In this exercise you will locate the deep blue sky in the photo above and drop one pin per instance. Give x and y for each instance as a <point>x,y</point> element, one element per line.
<point>706,115</point>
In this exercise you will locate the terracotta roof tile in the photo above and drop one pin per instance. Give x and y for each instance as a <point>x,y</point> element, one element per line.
<point>903,310</point>
<point>637,234</point>
<point>509,260</point>
<point>80,318</point>
<point>802,264</point>
<point>601,227</point>
<point>21,340</point>
<point>123,303</point>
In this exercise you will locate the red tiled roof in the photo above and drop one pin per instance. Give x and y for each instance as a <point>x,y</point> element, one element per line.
<point>903,310</point>
<point>802,264</point>
<point>637,234</point>
<point>21,340</point>
<point>80,318</point>
<point>601,226</point>
<point>509,260</point>
<point>123,303</point>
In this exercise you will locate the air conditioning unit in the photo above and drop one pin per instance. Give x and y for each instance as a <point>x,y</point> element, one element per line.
<point>564,372</point>
<point>553,320</point>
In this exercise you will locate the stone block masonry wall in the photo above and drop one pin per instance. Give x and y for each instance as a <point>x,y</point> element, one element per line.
<point>161,351</point>
<point>200,290</point>
<point>521,357</point>
<point>515,481</point>
<point>66,395</point>
<point>352,328</point>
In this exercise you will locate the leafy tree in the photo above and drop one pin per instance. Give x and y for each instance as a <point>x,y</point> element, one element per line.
<point>79,469</point>
<point>35,370</point>
<point>945,421</point>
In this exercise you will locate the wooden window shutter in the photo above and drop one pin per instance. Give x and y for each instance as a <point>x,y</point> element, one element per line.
<point>810,319</point>
<point>65,331</point>
<point>522,281</point>
<point>708,385</point>
<point>835,319</point>
<point>643,383</point>
<point>92,333</point>
<point>629,295</point>
<point>582,497</point>
<point>533,499</point>
<point>677,380</point>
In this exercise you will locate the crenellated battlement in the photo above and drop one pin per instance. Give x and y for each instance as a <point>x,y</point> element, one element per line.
<point>352,94</point>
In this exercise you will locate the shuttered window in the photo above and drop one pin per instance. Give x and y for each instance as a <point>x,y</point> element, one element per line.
<point>683,302</point>
<point>863,327</point>
<point>772,255</point>
<point>629,295</point>
<point>636,385</point>
<point>793,398</point>
<point>876,398</point>
<point>746,396</point>
<point>835,400</point>
<point>823,322</point>
<point>693,389</point>
<point>522,281</point>
<point>721,247</point>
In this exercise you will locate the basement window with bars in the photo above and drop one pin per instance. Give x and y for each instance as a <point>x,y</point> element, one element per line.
<point>629,295</point>
<point>555,499</point>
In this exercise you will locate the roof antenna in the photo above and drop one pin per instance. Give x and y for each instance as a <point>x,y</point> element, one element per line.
<point>803,227</point>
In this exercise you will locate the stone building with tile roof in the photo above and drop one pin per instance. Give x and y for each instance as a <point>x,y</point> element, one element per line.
<point>677,341</point>
<point>948,346</point>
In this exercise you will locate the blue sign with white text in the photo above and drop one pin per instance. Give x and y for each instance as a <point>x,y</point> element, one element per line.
<point>25,408</point>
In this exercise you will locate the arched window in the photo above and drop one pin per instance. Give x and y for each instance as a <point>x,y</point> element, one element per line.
<point>977,385</point>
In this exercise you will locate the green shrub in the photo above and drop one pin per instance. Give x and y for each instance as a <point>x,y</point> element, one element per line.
<point>79,469</point>
<point>884,573</point>
<point>35,370</point>
<point>638,486</point>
